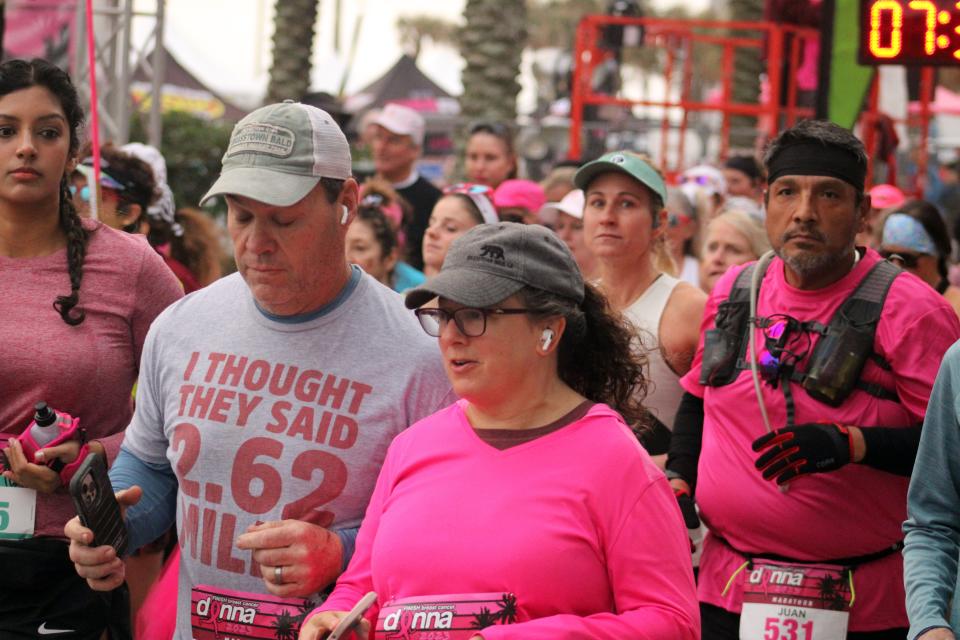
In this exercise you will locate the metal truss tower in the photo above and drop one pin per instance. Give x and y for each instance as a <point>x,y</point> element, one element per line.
<point>118,60</point>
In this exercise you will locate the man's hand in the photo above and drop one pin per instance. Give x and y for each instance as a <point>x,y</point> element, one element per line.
<point>806,448</point>
<point>101,567</point>
<point>940,633</point>
<point>320,625</point>
<point>308,555</point>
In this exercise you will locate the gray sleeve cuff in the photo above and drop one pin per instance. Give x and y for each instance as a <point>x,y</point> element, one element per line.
<point>348,538</point>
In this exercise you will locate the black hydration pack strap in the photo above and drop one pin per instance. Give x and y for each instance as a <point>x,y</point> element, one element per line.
<point>862,309</point>
<point>859,313</point>
<point>725,346</point>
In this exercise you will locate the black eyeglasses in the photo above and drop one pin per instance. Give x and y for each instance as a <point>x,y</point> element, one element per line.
<point>471,322</point>
<point>902,258</point>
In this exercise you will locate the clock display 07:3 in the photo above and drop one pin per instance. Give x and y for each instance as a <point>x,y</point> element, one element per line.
<point>910,32</point>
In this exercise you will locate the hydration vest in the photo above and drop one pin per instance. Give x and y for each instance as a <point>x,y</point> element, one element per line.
<point>833,369</point>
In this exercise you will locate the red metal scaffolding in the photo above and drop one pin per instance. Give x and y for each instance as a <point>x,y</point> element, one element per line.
<point>677,38</point>
<point>781,49</point>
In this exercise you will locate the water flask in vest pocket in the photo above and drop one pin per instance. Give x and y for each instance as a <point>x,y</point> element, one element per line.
<point>720,352</point>
<point>835,365</point>
<point>722,344</point>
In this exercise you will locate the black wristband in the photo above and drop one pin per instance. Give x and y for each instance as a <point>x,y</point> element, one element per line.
<point>891,449</point>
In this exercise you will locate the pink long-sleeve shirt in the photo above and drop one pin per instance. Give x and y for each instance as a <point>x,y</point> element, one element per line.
<point>86,370</point>
<point>578,524</point>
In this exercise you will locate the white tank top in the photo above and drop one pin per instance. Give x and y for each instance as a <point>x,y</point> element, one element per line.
<point>663,385</point>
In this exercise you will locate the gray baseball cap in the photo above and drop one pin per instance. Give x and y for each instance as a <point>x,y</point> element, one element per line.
<point>622,162</point>
<point>491,262</point>
<point>278,153</point>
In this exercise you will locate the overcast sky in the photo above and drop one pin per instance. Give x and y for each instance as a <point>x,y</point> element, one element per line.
<point>226,43</point>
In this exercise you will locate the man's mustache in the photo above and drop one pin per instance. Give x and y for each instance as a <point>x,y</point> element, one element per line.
<point>808,233</point>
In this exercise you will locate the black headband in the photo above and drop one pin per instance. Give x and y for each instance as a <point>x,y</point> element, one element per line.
<point>817,159</point>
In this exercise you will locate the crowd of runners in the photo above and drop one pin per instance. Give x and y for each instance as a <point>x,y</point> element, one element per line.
<point>602,405</point>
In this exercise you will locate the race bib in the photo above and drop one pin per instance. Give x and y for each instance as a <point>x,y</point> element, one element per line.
<point>18,510</point>
<point>795,602</point>
<point>221,614</point>
<point>446,617</point>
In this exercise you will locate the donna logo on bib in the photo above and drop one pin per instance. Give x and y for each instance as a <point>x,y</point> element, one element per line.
<point>444,617</point>
<point>224,614</point>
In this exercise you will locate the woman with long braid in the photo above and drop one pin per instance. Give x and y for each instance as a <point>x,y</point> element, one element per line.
<point>76,300</point>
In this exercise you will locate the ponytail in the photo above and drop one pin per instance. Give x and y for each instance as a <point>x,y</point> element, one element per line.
<point>77,238</point>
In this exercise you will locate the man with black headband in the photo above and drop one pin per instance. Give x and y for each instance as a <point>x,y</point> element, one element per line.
<point>804,412</point>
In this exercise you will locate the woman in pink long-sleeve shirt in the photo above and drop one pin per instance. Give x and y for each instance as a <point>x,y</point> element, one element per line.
<point>76,300</point>
<point>527,509</point>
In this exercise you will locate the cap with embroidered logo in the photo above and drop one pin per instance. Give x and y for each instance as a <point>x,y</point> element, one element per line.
<point>278,153</point>
<point>491,262</point>
<point>622,162</point>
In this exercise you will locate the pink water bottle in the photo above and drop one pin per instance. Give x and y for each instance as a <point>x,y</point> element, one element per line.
<point>49,428</point>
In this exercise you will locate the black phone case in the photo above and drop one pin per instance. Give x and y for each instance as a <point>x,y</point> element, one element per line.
<point>97,505</point>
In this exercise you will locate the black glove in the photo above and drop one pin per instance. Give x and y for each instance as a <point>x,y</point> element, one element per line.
<point>806,448</point>
<point>688,508</point>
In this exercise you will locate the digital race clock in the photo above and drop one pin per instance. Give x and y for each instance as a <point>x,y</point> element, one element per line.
<point>910,32</point>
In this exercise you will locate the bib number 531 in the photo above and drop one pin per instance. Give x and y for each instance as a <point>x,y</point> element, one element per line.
<point>787,629</point>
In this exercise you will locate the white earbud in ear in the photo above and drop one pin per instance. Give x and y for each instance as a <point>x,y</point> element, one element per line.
<point>546,339</point>
<point>345,215</point>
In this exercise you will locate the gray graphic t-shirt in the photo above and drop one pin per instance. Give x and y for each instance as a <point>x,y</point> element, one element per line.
<point>268,420</point>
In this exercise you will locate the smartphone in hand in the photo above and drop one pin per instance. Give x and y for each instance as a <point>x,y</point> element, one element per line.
<point>97,505</point>
<point>349,621</point>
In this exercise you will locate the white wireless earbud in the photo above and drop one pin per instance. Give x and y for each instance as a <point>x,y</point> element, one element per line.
<point>546,338</point>
<point>345,215</point>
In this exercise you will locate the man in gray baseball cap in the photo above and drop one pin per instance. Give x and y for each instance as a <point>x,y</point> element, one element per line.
<point>267,400</point>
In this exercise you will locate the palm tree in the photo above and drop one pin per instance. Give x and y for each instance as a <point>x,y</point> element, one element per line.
<point>413,30</point>
<point>507,613</point>
<point>554,23</point>
<point>293,32</point>
<point>491,43</point>
<point>483,619</point>
<point>308,605</point>
<point>285,627</point>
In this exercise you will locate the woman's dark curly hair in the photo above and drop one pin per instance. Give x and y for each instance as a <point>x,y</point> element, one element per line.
<point>597,356</point>
<point>16,75</point>
<point>140,187</point>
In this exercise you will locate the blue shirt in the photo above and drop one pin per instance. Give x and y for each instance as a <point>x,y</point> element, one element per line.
<point>932,544</point>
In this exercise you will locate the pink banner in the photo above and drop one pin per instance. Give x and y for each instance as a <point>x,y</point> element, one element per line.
<point>40,29</point>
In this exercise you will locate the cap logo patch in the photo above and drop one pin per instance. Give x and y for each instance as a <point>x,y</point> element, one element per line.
<point>262,138</point>
<point>492,251</point>
<point>491,254</point>
<point>618,159</point>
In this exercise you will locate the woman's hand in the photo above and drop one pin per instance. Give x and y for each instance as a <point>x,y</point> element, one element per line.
<point>34,474</point>
<point>29,474</point>
<point>320,625</point>
<point>940,633</point>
